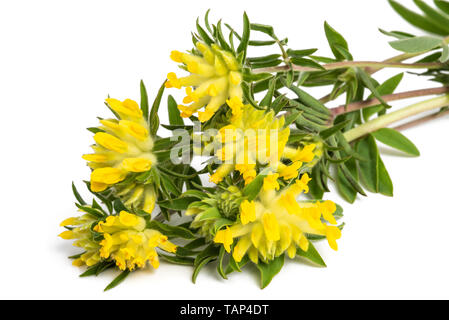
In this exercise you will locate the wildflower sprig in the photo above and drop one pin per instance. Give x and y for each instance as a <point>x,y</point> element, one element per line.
<point>272,149</point>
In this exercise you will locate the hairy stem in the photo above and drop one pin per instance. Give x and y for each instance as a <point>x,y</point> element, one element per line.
<point>360,64</point>
<point>422,120</point>
<point>369,70</point>
<point>391,97</point>
<point>389,118</point>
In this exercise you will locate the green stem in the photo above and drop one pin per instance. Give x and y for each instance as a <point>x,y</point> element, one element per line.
<point>389,118</point>
<point>349,64</point>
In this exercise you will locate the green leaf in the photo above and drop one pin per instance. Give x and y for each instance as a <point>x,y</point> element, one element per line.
<point>268,58</point>
<point>77,195</point>
<point>416,44</point>
<point>344,187</point>
<point>194,193</point>
<point>92,211</point>
<point>306,63</point>
<point>144,100</point>
<point>300,53</point>
<point>95,130</point>
<point>311,254</point>
<point>442,5</point>
<point>269,270</point>
<point>252,189</point>
<point>308,100</point>
<point>333,130</point>
<point>444,54</point>
<point>397,34</point>
<point>387,87</point>
<point>154,118</point>
<point>367,82</point>
<point>396,140</point>
<point>174,115</point>
<point>203,34</point>
<point>210,214</point>
<point>416,19</point>
<point>122,276</point>
<point>436,17</point>
<point>248,96</point>
<point>263,28</point>
<point>258,43</point>
<point>177,204</point>
<point>186,261</point>
<point>236,266</point>
<point>385,183</point>
<point>334,38</point>
<point>351,179</point>
<point>171,231</point>
<point>266,101</point>
<point>245,35</point>
<point>220,269</point>
<point>369,166</point>
<point>224,45</point>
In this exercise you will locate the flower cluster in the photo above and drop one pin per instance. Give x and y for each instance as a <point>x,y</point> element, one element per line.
<point>258,168</point>
<point>123,146</point>
<point>123,239</point>
<point>215,75</point>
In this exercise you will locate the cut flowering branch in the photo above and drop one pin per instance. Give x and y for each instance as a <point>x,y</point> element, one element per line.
<point>387,119</point>
<point>349,64</point>
<point>266,155</point>
<point>391,97</point>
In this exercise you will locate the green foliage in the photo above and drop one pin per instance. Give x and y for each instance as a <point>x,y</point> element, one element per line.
<point>269,270</point>
<point>396,140</point>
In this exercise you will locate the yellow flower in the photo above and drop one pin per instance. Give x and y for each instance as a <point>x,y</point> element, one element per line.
<point>129,243</point>
<point>123,146</point>
<point>291,171</point>
<point>224,237</point>
<point>253,136</point>
<point>279,224</point>
<point>247,212</point>
<point>270,182</point>
<point>216,76</point>
<point>81,232</point>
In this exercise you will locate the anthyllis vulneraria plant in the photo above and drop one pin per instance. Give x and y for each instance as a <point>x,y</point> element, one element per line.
<point>271,149</point>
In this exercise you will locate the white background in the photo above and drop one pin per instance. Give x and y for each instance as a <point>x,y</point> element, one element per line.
<point>60,59</point>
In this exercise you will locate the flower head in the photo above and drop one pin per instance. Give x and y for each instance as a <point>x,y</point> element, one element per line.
<point>129,243</point>
<point>215,77</point>
<point>256,138</point>
<point>123,238</point>
<point>80,231</point>
<point>123,146</point>
<point>275,223</point>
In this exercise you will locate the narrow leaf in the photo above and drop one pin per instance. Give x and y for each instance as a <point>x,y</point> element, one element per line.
<point>396,140</point>
<point>122,276</point>
<point>369,166</point>
<point>312,255</point>
<point>174,115</point>
<point>144,100</point>
<point>269,270</point>
<point>154,118</point>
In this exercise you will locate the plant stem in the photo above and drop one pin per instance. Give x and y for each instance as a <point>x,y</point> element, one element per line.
<point>421,120</point>
<point>391,97</point>
<point>389,118</point>
<point>349,64</point>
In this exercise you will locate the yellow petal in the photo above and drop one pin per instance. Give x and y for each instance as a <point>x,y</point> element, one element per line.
<point>110,142</point>
<point>271,227</point>
<point>136,164</point>
<point>247,212</point>
<point>107,175</point>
